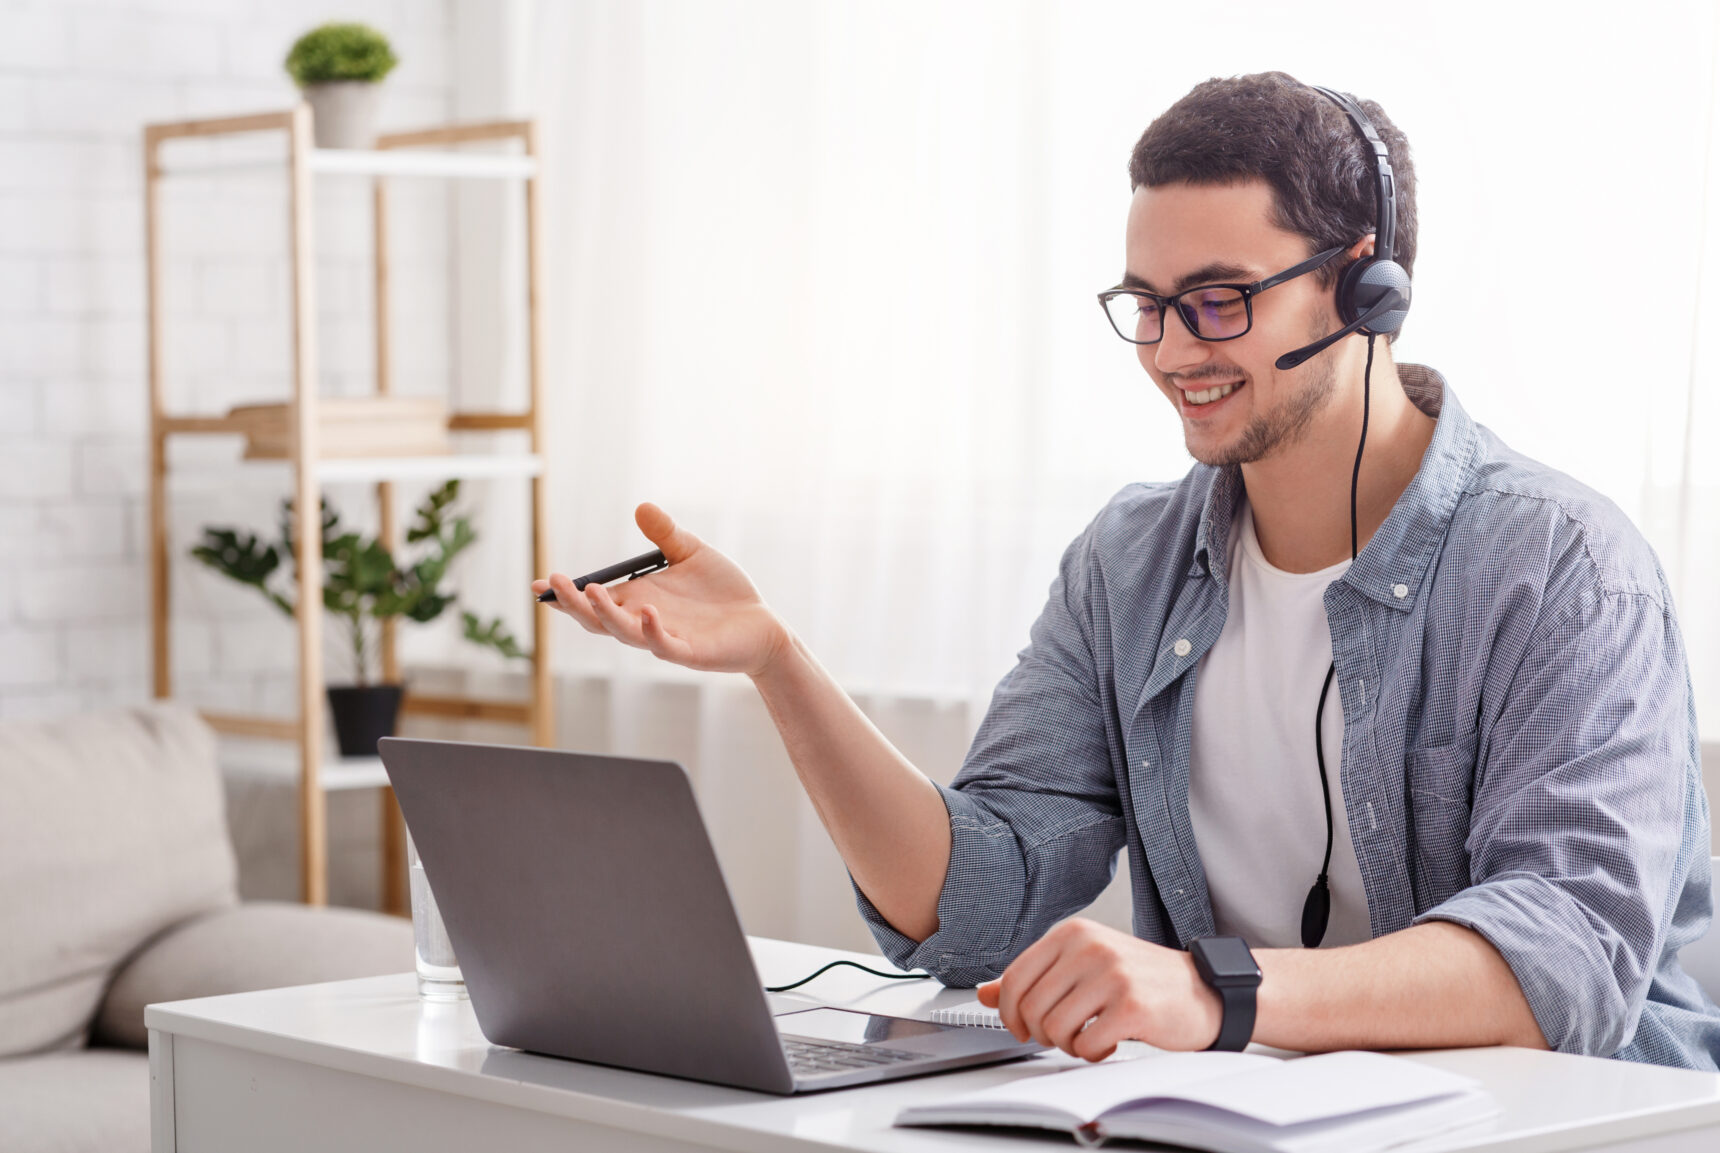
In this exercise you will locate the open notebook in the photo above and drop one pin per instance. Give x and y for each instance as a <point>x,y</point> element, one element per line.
<point>1231,1102</point>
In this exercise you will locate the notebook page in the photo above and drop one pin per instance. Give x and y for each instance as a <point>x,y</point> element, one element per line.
<point>1202,1127</point>
<point>1083,1094</point>
<point>1330,1085</point>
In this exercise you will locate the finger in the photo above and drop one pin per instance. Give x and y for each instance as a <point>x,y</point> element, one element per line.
<point>1007,1015</point>
<point>659,527</point>
<point>1065,1021</point>
<point>1018,981</point>
<point>662,643</point>
<point>612,617</point>
<point>554,583</point>
<point>1099,1039</point>
<point>570,601</point>
<point>1039,1006</point>
<point>988,993</point>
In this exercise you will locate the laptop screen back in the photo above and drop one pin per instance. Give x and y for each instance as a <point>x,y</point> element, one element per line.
<point>587,909</point>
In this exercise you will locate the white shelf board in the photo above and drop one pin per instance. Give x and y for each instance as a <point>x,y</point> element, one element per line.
<point>277,762</point>
<point>423,162</point>
<point>204,477</point>
<point>466,465</point>
<point>356,162</point>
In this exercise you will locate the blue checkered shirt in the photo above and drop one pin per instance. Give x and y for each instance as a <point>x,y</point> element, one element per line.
<point>1520,752</point>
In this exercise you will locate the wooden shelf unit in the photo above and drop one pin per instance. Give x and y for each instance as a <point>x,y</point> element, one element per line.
<point>429,153</point>
<point>349,470</point>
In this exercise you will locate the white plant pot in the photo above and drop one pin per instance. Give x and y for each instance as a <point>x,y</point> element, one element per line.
<point>343,113</point>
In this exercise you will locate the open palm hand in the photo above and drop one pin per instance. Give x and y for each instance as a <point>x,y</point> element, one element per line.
<point>701,612</point>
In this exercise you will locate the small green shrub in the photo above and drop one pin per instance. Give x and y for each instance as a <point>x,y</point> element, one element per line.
<point>362,581</point>
<point>340,52</point>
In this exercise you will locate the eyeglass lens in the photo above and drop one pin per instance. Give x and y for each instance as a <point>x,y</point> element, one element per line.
<point>1211,314</point>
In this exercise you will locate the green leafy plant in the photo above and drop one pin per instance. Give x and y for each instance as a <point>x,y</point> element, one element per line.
<point>340,52</point>
<point>362,582</point>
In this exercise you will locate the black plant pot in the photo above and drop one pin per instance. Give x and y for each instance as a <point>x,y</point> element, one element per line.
<point>363,715</point>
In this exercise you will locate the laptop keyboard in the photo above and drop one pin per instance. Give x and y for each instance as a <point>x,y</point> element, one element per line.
<point>815,1057</point>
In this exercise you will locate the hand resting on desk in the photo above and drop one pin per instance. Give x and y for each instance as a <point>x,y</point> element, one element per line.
<point>1437,985</point>
<point>1129,989</point>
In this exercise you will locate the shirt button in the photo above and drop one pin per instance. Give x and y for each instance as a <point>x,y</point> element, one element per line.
<point>1400,591</point>
<point>1182,648</point>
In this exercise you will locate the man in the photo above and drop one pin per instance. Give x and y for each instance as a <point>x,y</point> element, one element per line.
<point>1518,839</point>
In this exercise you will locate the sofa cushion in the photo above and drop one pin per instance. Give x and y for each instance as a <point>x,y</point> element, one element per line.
<point>112,829</point>
<point>89,1101</point>
<point>257,945</point>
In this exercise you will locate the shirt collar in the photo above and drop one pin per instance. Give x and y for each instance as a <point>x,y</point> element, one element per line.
<point>1212,536</point>
<point>1398,555</point>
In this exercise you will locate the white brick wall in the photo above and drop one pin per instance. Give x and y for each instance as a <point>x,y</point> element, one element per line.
<point>78,79</point>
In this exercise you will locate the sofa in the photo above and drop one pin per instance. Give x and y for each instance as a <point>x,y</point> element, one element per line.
<point>118,888</point>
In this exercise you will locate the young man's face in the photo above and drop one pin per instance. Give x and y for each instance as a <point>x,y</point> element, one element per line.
<point>1184,235</point>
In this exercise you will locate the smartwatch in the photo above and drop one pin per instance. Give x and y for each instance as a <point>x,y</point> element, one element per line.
<point>1226,965</point>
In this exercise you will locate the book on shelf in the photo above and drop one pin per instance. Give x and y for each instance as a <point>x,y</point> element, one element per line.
<point>1348,1102</point>
<point>349,426</point>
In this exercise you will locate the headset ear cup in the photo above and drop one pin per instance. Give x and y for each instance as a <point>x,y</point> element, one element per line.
<point>1364,284</point>
<point>1344,295</point>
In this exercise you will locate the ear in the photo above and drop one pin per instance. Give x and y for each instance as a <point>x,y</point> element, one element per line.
<point>1362,247</point>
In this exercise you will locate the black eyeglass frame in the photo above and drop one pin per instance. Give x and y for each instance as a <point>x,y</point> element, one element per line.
<point>1248,291</point>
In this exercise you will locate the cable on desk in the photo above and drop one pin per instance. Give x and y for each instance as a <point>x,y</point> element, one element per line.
<point>853,965</point>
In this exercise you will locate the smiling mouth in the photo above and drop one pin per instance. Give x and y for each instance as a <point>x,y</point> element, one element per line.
<point>1207,396</point>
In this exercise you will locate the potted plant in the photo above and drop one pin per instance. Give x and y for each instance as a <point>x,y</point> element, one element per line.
<point>339,67</point>
<point>362,586</point>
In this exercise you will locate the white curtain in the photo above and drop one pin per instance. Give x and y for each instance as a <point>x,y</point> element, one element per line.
<point>822,274</point>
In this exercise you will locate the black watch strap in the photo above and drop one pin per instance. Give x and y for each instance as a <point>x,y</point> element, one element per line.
<point>1238,1023</point>
<point>1230,970</point>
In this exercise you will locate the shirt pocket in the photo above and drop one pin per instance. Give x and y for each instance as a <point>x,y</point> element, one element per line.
<point>1439,790</point>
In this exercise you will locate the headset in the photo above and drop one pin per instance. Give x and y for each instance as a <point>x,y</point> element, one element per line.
<point>1373,293</point>
<point>1373,299</point>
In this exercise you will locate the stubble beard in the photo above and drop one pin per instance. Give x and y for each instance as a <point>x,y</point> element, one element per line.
<point>1287,423</point>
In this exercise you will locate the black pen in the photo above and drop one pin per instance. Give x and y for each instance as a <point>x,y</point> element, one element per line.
<point>639,566</point>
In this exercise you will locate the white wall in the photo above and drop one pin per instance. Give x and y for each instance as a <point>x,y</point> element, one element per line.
<point>78,80</point>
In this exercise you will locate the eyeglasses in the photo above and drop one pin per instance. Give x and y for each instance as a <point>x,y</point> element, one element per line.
<point>1212,311</point>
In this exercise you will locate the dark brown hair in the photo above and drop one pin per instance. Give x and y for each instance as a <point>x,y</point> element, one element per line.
<point>1272,127</point>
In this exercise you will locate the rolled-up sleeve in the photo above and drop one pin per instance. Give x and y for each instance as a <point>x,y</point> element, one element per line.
<point>1035,818</point>
<point>1578,816</point>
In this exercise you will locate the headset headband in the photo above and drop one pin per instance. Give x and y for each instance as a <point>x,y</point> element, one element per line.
<point>1385,200</point>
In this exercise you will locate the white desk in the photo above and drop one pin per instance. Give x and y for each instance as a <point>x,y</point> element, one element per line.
<point>364,1065</point>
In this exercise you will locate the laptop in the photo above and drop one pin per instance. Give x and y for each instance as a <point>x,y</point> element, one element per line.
<point>591,920</point>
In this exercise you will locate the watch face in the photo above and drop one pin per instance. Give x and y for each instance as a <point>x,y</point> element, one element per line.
<point>1228,959</point>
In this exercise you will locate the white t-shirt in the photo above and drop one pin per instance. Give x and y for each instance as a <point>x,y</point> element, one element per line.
<point>1254,784</point>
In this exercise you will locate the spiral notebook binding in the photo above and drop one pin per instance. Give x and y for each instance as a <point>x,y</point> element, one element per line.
<point>975,1015</point>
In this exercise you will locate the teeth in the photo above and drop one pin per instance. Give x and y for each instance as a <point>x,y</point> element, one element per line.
<point>1217,392</point>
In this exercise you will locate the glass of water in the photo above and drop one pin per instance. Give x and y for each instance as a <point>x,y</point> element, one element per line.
<point>439,977</point>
